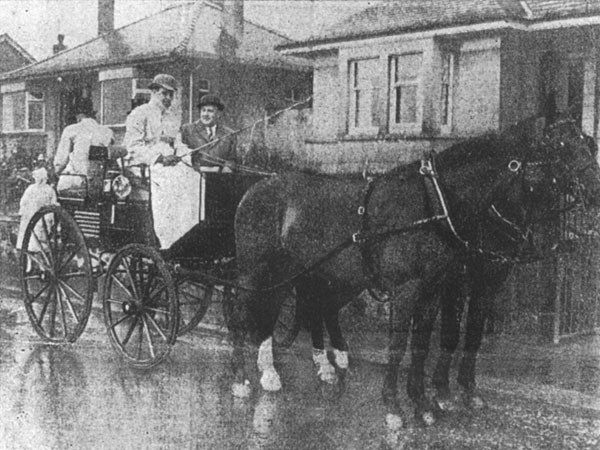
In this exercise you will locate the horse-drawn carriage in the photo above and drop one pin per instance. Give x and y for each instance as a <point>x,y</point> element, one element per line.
<point>103,228</point>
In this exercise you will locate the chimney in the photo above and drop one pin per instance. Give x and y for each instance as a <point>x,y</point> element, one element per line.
<point>106,16</point>
<point>233,19</point>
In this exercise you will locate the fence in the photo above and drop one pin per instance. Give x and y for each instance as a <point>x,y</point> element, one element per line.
<point>560,297</point>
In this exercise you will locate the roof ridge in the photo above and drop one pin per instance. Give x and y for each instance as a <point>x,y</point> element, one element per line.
<point>98,37</point>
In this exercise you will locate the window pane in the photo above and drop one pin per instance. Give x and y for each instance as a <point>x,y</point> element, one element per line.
<point>406,104</point>
<point>408,66</point>
<point>363,95</point>
<point>36,116</point>
<point>13,111</point>
<point>116,101</point>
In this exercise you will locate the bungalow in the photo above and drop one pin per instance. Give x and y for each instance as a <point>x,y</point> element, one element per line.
<point>12,55</point>
<point>207,46</point>
<point>403,77</point>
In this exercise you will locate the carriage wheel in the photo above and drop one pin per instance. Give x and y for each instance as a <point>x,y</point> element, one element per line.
<point>194,299</point>
<point>56,275</point>
<point>140,306</point>
<point>288,321</point>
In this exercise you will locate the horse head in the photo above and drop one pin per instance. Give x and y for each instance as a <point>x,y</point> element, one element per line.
<point>570,158</point>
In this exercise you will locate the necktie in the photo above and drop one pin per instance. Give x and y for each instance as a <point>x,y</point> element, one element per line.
<point>211,134</point>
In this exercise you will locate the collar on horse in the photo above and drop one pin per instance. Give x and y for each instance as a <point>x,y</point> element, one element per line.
<point>365,237</point>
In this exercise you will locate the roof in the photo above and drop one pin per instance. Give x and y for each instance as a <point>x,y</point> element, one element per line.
<point>5,38</point>
<point>184,30</point>
<point>402,16</point>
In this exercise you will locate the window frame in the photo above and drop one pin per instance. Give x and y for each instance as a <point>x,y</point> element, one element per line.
<point>352,112</point>
<point>395,82</point>
<point>446,99</point>
<point>27,98</point>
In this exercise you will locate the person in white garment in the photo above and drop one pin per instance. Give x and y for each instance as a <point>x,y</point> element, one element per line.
<point>72,154</point>
<point>153,141</point>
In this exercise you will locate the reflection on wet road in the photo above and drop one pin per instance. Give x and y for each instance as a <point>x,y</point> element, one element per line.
<point>83,397</point>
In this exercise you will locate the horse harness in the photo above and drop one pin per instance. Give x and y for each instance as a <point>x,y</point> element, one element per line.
<point>366,237</point>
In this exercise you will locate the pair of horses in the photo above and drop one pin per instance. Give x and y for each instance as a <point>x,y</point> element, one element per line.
<point>473,205</point>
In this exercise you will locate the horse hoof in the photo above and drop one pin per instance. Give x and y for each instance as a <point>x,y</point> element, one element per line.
<point>341,358</point>
<point>393,422</point>
<point>328,377</point>
<point>428,418</point>
<point>241,390</point>
<point>270,381</point>
<point>446,403</point>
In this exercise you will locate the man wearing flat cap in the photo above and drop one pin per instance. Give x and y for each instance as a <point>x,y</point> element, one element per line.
<point>216,142</point>
<point>153,142</point>
<point>72,153</point>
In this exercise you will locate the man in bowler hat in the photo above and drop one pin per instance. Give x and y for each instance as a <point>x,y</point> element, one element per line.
<point>210,134</point>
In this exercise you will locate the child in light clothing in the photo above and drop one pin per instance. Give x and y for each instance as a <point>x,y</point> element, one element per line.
<point>37,195</point>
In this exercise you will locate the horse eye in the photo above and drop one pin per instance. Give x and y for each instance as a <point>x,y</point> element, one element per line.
<point>554,181</point>
<point>530,188</point>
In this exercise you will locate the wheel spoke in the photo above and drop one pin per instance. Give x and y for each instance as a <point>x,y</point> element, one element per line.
<point>120,321</point>
<point>147,333</point>
<point>33,255</point>
<point>47,233</point>
<point>130,331</point>
<point>158,310</point>
<point>125,289</point>
<point>69,259</point>
<point>52,313</point>
<point>70,288</point>
<point>68,300</point>
<point>155,325</point>
<point>61,310</point>
<point>41,291</point>
<point>74,275</point>
<point>42,251</point>
<point>44,308</point>
<point>133,285</point>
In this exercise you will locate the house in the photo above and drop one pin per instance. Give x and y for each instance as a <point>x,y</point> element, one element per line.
<point>12,55</point>
<point>207,46</point>
<point>403,77</point>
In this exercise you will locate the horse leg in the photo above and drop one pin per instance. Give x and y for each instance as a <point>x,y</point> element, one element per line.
<point>312,296</point>
<point>331,315</point>
<point>422,326</point>
<point>476,318</point>
<point>399,324</point>
<point>452,304</point>
<point>236,318</point>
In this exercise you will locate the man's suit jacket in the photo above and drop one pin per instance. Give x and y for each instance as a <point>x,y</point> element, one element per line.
<point>195,135</point>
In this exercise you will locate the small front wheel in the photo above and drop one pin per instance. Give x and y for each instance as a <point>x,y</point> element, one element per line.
<point>140,306</point>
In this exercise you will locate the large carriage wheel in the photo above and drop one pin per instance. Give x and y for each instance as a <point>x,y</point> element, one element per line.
<point>194,298</point>
<point>56,275</point>
<point>287,326</point>
<point>140,306</point>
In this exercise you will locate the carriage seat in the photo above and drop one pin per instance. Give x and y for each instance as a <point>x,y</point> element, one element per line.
<point>79,186</point>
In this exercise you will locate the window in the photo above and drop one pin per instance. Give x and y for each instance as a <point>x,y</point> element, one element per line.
<point>23,111</point>
<point>120,96</point>
<point>363,94</point>
<point>405,105</point>
<point>203,87</point>
<point>446,91</point>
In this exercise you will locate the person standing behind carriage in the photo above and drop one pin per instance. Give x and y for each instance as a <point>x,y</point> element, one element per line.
<point>152,141</point>
<point>213,138</point>
<point>72,153</point>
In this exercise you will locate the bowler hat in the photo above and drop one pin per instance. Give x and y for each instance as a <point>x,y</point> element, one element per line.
<point>211,99</point>
<point>163,80</point>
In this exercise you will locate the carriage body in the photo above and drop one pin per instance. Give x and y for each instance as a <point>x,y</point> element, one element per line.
<point>103,228</point>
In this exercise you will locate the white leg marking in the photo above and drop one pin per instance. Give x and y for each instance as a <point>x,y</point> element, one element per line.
<point>341,358</point>
<point>325,370</point>
<point>269,380</point>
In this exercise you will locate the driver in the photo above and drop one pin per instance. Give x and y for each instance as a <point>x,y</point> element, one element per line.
<point>152,140</point>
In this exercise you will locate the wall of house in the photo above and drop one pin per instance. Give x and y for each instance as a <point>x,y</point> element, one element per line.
<point>475,106</point>
<point>10,59</point>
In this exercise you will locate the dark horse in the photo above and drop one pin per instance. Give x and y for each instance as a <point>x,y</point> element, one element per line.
<point>419,222</point>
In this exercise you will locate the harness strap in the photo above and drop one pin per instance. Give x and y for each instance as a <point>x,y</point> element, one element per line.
<point>362,237</point>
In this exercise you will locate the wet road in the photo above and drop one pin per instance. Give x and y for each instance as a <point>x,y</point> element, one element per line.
<point>83,397</point>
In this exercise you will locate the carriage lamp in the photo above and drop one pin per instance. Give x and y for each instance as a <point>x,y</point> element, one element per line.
<point>121,186</point>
